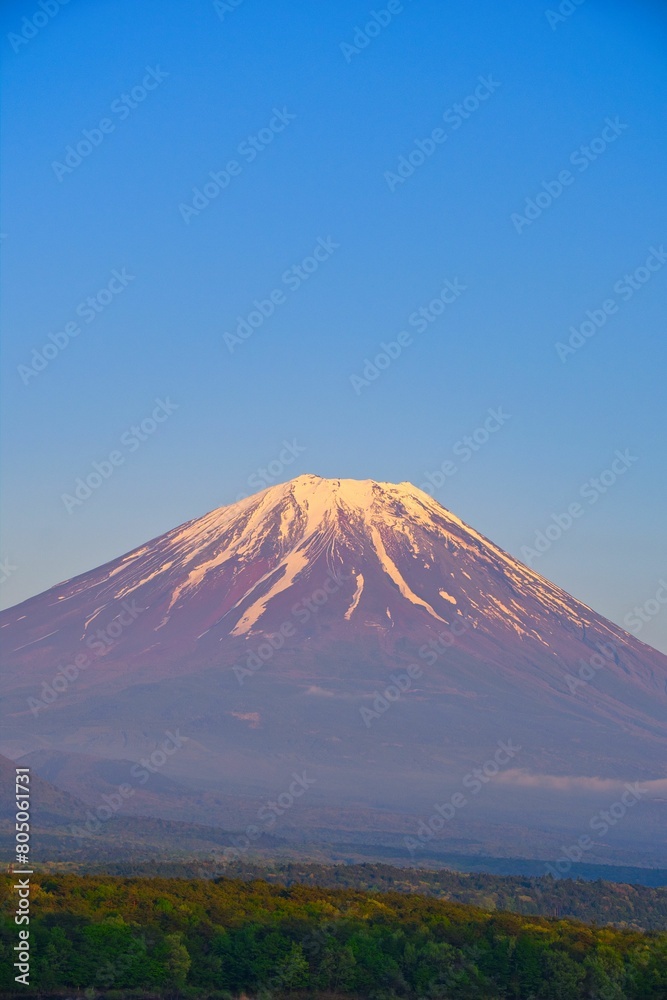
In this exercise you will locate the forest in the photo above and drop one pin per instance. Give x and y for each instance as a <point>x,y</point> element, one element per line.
<point>222,938</point>
<point>637,907</point>
<point>623,904</point>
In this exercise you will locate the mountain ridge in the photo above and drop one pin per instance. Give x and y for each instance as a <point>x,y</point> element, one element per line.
<point>265,628</point>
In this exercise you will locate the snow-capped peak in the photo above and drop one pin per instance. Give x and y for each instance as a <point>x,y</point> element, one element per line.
<point>384,542</point>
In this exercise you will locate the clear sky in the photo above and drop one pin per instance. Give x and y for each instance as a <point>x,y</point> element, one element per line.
<point>330,127</point>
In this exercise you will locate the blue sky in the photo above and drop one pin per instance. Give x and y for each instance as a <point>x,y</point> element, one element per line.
<point>308,114</point>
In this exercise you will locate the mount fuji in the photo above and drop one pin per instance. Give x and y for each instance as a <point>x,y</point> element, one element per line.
<point>362,634</point>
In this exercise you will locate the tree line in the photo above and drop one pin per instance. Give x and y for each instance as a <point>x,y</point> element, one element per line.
<point>220,939</point>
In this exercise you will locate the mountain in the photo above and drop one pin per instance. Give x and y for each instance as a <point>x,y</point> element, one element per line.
<point>50,805</point>
<point>66,828</point>
<point>363,638</point>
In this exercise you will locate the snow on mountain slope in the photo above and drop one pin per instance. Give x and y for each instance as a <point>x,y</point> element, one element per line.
<point>292,609</point>
<point>367,554</point>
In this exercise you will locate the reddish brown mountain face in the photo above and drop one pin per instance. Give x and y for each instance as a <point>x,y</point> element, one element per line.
<point>265,631</point>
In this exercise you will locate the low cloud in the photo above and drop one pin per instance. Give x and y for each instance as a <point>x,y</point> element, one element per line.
<point>572,783</point>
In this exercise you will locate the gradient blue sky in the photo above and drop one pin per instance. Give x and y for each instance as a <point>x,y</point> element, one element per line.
<point>324,176</point>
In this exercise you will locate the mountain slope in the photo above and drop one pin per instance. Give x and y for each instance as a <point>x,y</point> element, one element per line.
<point>269,631</point>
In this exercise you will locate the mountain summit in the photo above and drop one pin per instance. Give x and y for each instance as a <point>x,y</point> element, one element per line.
<point>270,630</point>
<point>384,554</point>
